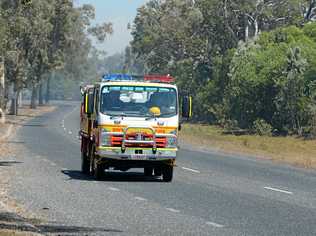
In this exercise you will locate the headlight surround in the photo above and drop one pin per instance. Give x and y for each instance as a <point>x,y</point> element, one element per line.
<point>172,142</point>
<point>105,138</point>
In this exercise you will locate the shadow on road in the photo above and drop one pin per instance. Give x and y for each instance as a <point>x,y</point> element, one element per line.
<point>112,176</point>
<point>9,163</point>
<point>11,221</point>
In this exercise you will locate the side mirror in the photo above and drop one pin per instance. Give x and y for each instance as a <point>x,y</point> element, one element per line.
<point>89,102</point>
<point>187,107</point>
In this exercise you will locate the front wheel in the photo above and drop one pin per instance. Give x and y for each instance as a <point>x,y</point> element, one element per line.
<point>167,173</point>
<point>148,171</point>
<point>85,164</point>
<point>157,171</point>
<point>96,169</point>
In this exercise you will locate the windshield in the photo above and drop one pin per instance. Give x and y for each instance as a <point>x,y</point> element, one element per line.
<point>139,101</point>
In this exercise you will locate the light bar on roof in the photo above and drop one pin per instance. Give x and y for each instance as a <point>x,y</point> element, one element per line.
<point>159,78</point>
<point>117,77</point>
<point>146,78</point>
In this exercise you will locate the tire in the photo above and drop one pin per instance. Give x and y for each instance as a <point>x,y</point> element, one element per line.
<point>148,171</point>
<point>157,171</point>
<point>91,169</point>
<point>167,173</point>
<point>85,163</point>
<point>96,170</point>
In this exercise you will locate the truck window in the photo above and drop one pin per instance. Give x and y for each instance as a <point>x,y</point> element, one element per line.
<point>138,100</point>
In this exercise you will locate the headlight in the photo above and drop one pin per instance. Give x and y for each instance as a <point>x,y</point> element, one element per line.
<point>105,138</point>
<point>172,142</point>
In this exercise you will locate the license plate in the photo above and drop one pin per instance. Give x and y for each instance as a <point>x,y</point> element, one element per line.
<point>138,157</point>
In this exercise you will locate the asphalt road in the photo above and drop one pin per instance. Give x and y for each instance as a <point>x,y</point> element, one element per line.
<point>212,194</point>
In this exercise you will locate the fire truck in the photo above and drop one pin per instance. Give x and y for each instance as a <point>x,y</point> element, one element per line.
<point>131,122</point>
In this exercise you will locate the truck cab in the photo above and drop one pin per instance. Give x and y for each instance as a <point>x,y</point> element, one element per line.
<point>132,122</point>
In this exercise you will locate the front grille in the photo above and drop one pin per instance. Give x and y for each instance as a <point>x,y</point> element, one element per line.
<point>116,141</point>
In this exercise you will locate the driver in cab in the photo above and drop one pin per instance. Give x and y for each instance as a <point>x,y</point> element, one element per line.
<point>160,102</point>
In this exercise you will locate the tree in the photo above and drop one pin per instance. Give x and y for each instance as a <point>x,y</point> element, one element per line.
<point>42,37</point>
<point>291,100</point>
<point>2,89</point>
<point>309,10</point>
<point>270,80</point>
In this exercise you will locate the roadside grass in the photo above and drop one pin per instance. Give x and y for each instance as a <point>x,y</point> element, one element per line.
<point>292,150</point>
<point>16,233</point>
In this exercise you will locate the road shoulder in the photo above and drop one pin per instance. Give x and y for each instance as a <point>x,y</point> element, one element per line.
<point>14,220</point>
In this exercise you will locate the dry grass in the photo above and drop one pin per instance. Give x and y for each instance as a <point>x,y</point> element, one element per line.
<point>16,233</point>
<point>291,150</point>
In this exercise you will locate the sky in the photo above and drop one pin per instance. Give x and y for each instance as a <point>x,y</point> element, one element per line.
<point>120,13</point>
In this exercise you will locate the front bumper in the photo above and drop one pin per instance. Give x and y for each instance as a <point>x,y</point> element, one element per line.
<point>162,154</point>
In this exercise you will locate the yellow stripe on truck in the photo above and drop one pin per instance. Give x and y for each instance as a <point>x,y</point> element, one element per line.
<point>86,103</point>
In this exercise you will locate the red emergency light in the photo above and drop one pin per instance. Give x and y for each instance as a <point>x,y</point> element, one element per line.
<point>159,78</point>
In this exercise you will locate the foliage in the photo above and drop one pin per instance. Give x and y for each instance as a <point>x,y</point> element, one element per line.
<point>44,37</point>
<point>244,61</point>
<point>271,79</point>
<point>262,128</point>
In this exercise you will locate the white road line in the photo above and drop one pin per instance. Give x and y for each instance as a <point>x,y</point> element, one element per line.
<point>192,170</point>
<point>173,210</point>
<point>140,199</point>
<point>70,132</point>
<point>114,189</point>
<point>215,224</point>
<point>278,190</point>
<point>65,129</point>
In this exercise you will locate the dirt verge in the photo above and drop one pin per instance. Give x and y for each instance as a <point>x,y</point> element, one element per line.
<point>14,220</point>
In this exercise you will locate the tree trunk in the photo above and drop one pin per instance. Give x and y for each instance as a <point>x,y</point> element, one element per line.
<point>2,92</point>
<point>247,23</point>
<point>14,101</point>
<point>33,97</point>
<point>17,102</point>
<point>20,99</point>
<point>47,97</point>
<point>256,28</point>
<point>40,95</point>
<point>13,110</point>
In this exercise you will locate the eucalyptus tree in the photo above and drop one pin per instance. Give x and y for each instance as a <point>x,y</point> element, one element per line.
<point>79,52</point>
<point>62,21</point>
<point>13,14</point>
<point>71,44</point>
<point>2,81</point>
<point>309,10</point>
<point>39,15</point>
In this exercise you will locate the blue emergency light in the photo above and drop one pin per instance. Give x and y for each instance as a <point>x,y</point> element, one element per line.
<point>117,77</point>
<point>145,78</point>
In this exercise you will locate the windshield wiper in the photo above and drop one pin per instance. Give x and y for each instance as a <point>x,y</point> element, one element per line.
<point>167,114</point>
<point>116,115</point>
<point>150,116</point>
